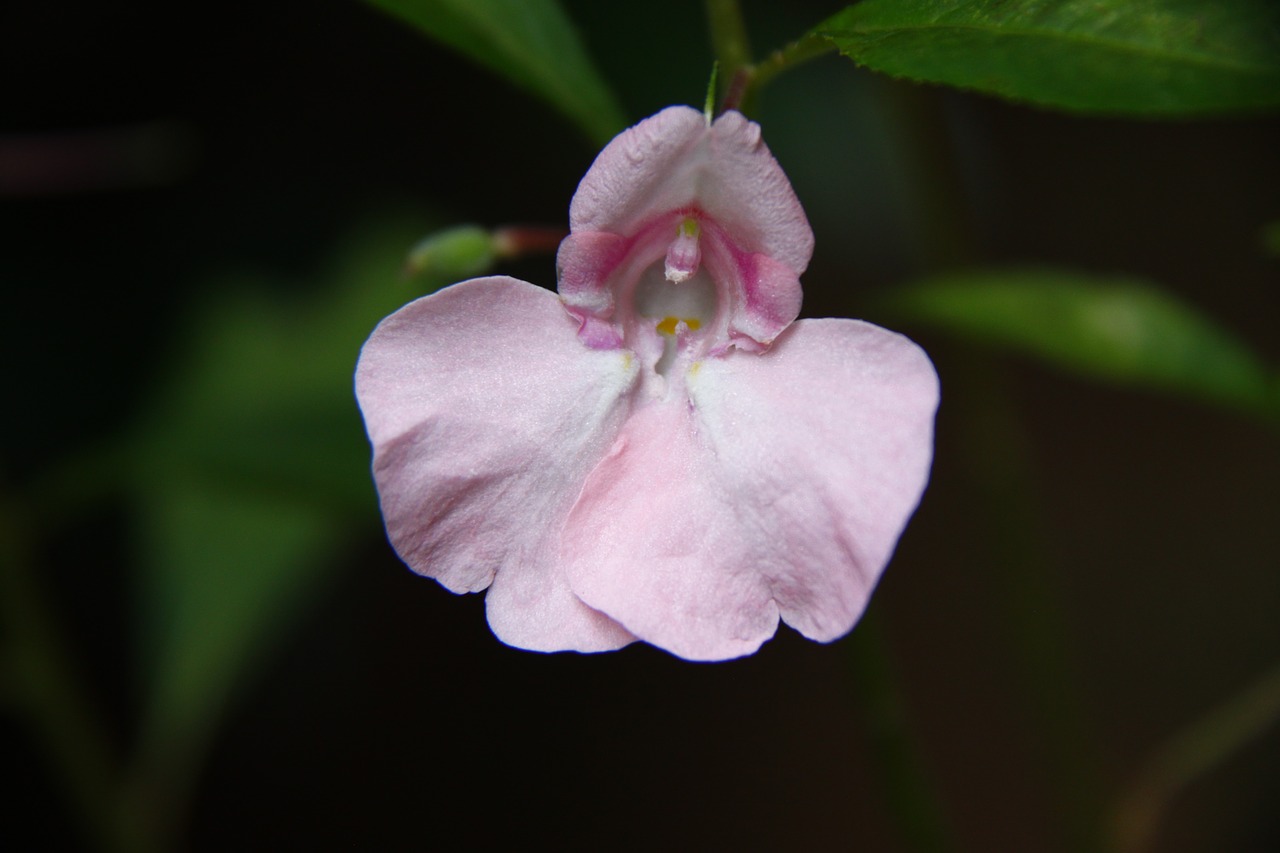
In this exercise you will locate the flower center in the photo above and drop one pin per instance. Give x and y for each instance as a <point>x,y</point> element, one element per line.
<point>673,315</point>
<point>673,304</point>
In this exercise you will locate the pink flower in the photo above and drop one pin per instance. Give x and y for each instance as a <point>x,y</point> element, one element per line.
<point>661,452</point>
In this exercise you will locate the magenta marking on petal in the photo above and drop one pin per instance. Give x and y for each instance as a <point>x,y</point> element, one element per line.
<point>761,296</point>
<point>597,333</point>
<point>756,296</point>
<point>584,264</point>
<point>772,297</point>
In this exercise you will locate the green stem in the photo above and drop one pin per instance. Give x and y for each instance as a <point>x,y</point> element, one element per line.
<point>1190,754</point>
<point>740,80</point>
<point>728,39</point>
<point>797,53</point>
<point>909,792</point>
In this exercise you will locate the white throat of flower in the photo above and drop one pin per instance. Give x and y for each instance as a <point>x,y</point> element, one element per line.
<point>676,300</point>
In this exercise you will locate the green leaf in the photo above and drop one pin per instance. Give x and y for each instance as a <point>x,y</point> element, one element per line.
<point>1111,328</point>
<point>228,573</point>
<point>251,470</point>
<point>532,43</point>
<point>1144,57</point>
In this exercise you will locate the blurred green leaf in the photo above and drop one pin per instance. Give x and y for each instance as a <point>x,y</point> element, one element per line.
<point>1270,237</point>
<point>1111,328</point>
<point>532,43</point>
<point>229,572</point>
<point>252,470</point>
<point>1146,57</point>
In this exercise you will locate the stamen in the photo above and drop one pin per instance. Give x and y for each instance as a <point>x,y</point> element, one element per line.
<point>684,254</point>
<point>668,325</point>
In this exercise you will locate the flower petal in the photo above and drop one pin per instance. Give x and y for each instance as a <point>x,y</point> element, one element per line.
<point>826,440</point>
<point>486,413</point>
<point>673,161</point>
<point>782,490</point>
<point>769,302</point>
<point>655,543</point>
<point>584,264</point>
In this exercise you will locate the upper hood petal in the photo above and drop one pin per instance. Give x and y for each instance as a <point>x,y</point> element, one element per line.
<point>673,161</point>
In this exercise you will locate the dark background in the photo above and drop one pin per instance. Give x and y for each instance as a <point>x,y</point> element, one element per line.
<point>390,718</point>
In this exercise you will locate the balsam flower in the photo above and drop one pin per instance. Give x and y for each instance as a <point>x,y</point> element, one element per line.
<point>661,452</point>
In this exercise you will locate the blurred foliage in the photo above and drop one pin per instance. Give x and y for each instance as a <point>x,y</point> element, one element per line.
<point>1196,750</point>
<point>1270,238</point>
<point>1150,57</point>
<point>1108,328</point>
<point>249,473</point>
<point>532,43</point>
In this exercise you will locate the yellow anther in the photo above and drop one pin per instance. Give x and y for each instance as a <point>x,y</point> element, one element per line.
<point>689,227</point>
<point>669,324</point>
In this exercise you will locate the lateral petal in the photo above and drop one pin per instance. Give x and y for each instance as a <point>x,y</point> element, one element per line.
<point>486,414</point>
<point>781,490</point>
<point>827,441</point>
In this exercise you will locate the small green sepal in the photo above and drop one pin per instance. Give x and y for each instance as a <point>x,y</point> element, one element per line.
<point>709,106</point>
<point>454,254</point>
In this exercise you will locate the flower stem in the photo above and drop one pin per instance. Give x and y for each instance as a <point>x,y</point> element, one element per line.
<point>517,241</point>
<point>740,79</point>
<point>729,40</point>
<point>796,53</point>
<point>1192,752</point>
